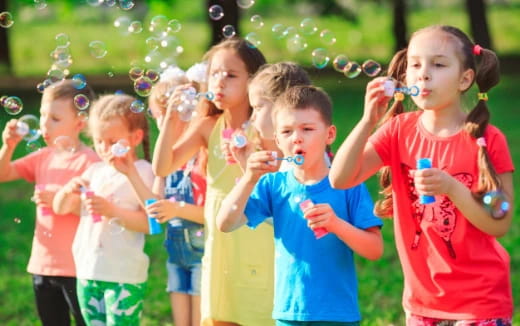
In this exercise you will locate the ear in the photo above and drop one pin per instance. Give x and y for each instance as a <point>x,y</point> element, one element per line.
<point>136,137</point>
<point>331,134</point>
<point>466,79</point>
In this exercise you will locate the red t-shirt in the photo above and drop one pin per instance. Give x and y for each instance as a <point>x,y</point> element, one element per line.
<point>51,252</point>
<point>452,270</point>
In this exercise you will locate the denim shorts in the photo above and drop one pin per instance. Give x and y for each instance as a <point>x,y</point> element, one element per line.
<point>184,279</point>
<point>185,244</point>
<point>315,323</point>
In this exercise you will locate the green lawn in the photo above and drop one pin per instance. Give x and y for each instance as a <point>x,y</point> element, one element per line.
<point>32,39</point>
<point>380,282</point>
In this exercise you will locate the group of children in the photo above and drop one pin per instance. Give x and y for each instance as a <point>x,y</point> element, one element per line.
<point>258,152</point>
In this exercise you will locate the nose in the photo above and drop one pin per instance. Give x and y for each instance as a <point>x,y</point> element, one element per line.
<point>297,137</point>
<point>424,73</point>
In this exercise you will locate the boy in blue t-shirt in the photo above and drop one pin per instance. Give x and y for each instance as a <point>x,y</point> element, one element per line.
<point>316,228</point>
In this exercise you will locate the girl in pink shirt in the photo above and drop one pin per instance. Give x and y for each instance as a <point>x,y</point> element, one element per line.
<point>51,263</point>
<point>455,270</point>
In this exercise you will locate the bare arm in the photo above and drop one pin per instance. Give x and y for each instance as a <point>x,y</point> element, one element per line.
<point>437,182</point>
<point>169,155</point>
<point>356,159</point>
<point>67,200</point>
<point>231,214</point>
<point>10,139</point>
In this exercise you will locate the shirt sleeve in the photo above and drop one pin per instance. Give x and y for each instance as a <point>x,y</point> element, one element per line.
<point>258,206</point>
<point>26,166</point>
<point>361,208</point>
<point>498,150</point>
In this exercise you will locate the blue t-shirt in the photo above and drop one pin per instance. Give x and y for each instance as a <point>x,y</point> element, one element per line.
<point>315,280</point>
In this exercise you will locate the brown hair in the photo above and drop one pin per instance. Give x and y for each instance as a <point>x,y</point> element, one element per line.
<point>118,106</point>
<point>276,78</point>
<point>251,56</point>
<point>304,97</point>
<point>66,89</point>
<point>486,77</point>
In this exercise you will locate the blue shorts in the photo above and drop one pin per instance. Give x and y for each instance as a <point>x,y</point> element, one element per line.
<point>315,323</point>
<point>184,279</point>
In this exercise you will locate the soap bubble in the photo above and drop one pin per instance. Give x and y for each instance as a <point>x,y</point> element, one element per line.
<point>245,4</point>
<point>327,37</point>
<point>40,4</point>
<point>121,24</point>
<point>136,72</point>
<point>253,39</point>
<point>98,49</point>
<point>174,26</point>
<point>340,62</point>
<point>496,204</point>
<point>126,4</point>
<point>56,75</point>
<point>308,26</point>
<point>143,86</point>
<point>62,40</point>
<point>135,27</point>
<point>320,58</point>
<point>28,126</point>
<point>120,148</point>
<point>216,12</point>
<point>79,81</point>
<point>371,68</point>
<point>257,21</point>
<point>228,31</point>
<point>352,70</point>
<point>296,43</point>
<point>12,104</point>
<point>65,144</point>
<point>137,106</point>
<point>158,25</point>
<point>6,19</point>
<point>81,101</point>
<point>33,146</point>
<point>278,31</point>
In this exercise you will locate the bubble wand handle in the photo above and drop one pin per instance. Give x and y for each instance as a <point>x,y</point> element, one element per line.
<point>425,163</point>
<point>154,227</point>
<point>95,217</point>
<point>44,210</point>
<point>318,232</point>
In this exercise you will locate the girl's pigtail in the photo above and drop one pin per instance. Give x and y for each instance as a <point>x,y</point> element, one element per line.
<point>487,76</point>
<point>396,70</point>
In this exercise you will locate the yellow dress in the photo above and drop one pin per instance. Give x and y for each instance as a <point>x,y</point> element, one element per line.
<point>237,267</point>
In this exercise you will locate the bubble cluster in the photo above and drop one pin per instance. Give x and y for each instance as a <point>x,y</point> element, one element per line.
<point>120,148</point>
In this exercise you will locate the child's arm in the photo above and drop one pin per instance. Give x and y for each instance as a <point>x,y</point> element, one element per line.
<point>437,182</point>
<point>356,159</point>
<point>68,199</point>
<point>367,243</point>
<point>231,214</point>
<point>10,139</point>
<point>169,154</point>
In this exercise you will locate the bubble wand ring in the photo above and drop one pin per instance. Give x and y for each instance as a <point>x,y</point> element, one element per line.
<point>297,159</point>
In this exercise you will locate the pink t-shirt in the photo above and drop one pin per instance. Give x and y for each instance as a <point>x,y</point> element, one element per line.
<point>51,252</point>
<point>452,270</point>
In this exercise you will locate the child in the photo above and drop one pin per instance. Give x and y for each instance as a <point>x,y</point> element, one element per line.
<point>184,191</point>
<point>237,269</point>
<point>108,246</point>
<point>315,279</point>
<point>269,82</point>
<point>455,271</point>
<point>51,263</point>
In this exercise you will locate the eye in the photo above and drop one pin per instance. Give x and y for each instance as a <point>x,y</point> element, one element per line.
<point>308,129</point>
<point>438,64</point>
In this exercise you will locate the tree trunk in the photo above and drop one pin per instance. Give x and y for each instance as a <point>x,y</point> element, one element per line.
<point>399,27</point>
<point>478,21</point>
<point>5,57</point>
<point>231,17</point>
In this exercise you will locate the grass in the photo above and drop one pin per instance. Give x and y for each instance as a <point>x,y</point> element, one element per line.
<point>380,282</point>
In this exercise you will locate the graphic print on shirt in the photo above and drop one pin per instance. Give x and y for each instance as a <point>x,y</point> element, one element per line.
<point>440,215</point>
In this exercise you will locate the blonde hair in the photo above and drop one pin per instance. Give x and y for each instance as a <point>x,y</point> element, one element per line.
<point>118,106</point>
<point>487,75</point>
<point>66,89</point>
<point>276,78</point>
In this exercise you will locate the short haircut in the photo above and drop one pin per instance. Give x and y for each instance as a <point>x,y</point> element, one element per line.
<point>276,78</point>
<point>305,97</point>
<point>66,89</point>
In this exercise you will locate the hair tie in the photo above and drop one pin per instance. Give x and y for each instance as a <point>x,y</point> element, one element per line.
<point>481,142</point>
<point>398,96</point>
<point>477,49</point>
<point>482,96</point>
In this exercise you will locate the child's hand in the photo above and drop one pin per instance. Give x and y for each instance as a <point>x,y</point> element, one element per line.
<point>176,98</point>
<point>124,164</point>
<point>225,147</point>
<point>43,197</point>
<point>432,181</point>
<point>10,137</point>
<point>321,216</point>
<point>376,102</point>
<point>75,185</point>
<point>240,154</point>
<point>97,205</point>
<point>260,163</point>
<point>163,210</point>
